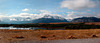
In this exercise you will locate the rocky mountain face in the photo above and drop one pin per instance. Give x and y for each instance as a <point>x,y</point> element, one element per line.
<point>49,19</point>
<point>86,19</point>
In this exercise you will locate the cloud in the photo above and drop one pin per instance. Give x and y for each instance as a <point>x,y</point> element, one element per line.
<point>76,14</point>
<point>25,9</point>
<point>71,15</point>
<point>81,8</point>
<point>19,17</point>
<point>26,16</point>
<point>45,12</point>
<point>78,4</point>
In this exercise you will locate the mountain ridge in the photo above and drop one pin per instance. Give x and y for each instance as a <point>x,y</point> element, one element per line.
<point>52,19</point>
<point>86,19</point>
<point>49,19</point>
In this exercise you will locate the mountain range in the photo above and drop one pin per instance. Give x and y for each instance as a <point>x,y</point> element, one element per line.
<point>3,22</point>
<point>50,19</point>
<point>86,19</point>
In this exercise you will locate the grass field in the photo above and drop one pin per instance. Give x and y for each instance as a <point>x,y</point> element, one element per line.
<point>7,35</point>
<point>48,34</point>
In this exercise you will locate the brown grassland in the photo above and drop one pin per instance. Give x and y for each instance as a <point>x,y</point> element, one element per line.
<point>12,35</point>
<point>48,34</point>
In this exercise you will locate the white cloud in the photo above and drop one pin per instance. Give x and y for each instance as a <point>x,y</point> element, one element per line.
<point>45,12</point>
<point>81,8</point>
<point>26,16</point>
<point>98,15</point>
<point>71,15</point>
<point>74,14</point>
<point>78,4</point>
<point>25,9</point>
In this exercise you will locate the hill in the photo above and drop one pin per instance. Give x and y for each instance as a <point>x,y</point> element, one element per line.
<point>86,19</point>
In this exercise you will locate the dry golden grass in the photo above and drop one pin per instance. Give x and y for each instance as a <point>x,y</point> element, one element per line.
<point>95,23</point>
<point>49,34</point>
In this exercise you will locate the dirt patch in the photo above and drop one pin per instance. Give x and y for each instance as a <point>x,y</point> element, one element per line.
<point>18,37</point>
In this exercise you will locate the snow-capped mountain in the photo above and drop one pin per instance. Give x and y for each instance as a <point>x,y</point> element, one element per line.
<point>54,17</point>
<point>16,20</point>
<point>49,19</point>
<point>42,19</point>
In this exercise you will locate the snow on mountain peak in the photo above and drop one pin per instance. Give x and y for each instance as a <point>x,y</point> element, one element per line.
<point>30,18</point>
<point>54,17</point>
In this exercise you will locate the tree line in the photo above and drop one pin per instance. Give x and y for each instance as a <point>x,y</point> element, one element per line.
<point>64,26</point>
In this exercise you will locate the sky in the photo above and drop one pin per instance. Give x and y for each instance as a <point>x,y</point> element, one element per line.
<point>69,9</point>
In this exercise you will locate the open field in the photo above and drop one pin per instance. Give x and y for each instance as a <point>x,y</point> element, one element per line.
<point>21,35</point>
<point>8,35</point>
<point>95,23</point>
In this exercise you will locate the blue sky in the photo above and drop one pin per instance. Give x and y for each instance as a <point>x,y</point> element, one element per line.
<point>68,9</point>
<point>15,6</point>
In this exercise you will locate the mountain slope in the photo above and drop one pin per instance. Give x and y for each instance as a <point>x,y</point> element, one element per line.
<point>86,19</point>
<point>1,22</point>
<point>49,19</point>
<point>19,22</point>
